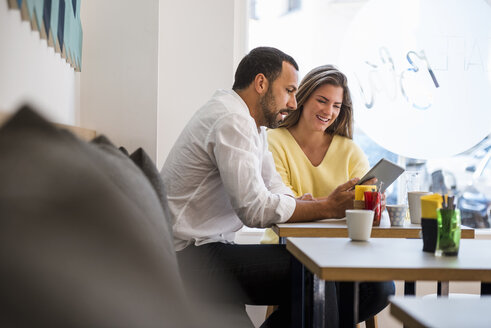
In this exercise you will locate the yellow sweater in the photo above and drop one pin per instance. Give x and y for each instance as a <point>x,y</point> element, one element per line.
<point>344,160</point>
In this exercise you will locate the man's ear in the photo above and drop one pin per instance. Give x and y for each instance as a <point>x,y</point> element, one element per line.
<point>261,83</point>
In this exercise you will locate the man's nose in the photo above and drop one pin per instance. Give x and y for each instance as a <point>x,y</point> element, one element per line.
<point>292,103</point>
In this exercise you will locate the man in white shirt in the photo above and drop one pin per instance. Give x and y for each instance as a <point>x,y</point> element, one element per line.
<point>220,176</point>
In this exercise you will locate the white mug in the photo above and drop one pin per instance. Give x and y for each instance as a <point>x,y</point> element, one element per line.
<point>359,224</point>
<point>414,201</point>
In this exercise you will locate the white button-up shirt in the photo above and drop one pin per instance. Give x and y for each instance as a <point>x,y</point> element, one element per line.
<point>220,175</point>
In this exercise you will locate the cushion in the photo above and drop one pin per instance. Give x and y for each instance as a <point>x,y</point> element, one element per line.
<point>83,237</point>
<point>149,169</point>
<point>132,178</point>
<point>124,151</point>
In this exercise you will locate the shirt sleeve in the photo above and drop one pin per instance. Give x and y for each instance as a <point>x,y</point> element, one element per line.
<point>281,163</point>
<point>236,148</point>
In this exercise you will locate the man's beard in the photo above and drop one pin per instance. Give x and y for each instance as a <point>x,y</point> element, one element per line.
<point>268,105</point>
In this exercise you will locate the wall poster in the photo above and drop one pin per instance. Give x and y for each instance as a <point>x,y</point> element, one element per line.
<point>57,21</point>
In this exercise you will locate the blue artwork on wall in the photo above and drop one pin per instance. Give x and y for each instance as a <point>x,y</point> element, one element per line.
<point>61,24</point>
<point>57,21</point>
<point>47,16</point>
<point>53,32</point>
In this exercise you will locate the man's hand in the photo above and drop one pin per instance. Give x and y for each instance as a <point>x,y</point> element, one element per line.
<point>332,206</point>
<point>341,199</point>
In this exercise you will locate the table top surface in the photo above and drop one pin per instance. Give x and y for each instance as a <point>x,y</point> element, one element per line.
<point>442,312</point>
<point>379,259</point>
<point>338,228</point>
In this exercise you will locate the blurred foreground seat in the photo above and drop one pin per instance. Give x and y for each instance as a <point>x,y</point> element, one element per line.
<point>84,241</point>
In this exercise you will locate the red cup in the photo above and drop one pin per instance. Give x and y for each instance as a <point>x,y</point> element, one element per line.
<point>373,202</point>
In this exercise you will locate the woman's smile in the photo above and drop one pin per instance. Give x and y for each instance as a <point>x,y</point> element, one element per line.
<point>322,118</point>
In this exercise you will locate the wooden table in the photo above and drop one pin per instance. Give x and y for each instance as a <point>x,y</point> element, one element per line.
<point>338,228</point>
<point>380,259</point>
<point>441,312</point>
<point>335,228</point>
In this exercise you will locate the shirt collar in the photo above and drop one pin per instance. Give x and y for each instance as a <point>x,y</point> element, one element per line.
<point>243,107</point>
<point>239,99</point>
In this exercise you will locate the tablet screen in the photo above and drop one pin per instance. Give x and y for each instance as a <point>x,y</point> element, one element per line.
<point>386,173</point>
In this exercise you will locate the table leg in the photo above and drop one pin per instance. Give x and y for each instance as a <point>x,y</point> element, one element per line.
<point>350,295</point>
<point>282,240</point>
<point>485,288</point>
<point>308,308</point>
<point>444,288</point>
<point>356,301</point>
<point>298,291</point>
<point>324,304</point>
<point>319,302</point>
<point>409,288</point>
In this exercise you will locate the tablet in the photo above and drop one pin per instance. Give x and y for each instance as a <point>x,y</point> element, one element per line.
<point>386,173</point>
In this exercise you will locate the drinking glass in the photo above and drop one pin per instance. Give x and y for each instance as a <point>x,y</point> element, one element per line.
<point>412,183</point>
<point>373,202</point>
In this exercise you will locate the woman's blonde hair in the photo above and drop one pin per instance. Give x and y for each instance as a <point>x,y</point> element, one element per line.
<point>326,74</point>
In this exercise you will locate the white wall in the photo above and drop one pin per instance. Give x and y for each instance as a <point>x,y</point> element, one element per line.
<point>30,71</point>
<point>141,80</point>
<point>199,41</point>
<point>119,79</point>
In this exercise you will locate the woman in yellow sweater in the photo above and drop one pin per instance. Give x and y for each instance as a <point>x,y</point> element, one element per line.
<point>313,149</point>
<point>314,153</point>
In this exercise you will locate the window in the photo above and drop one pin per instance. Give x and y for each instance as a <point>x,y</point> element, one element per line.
<point>420,81</point>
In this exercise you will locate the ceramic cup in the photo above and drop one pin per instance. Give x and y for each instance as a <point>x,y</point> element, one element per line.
<point>413,199</point>
<point>359,224</point>
<point>397,214</point>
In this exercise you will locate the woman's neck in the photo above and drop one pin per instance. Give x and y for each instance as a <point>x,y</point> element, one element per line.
<point>314,144</point>
<point>308,138</point>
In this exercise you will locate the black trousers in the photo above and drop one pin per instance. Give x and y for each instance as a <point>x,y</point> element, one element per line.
<point>261,275</point>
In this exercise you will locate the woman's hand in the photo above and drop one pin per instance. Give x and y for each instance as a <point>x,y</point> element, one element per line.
<point>383,202</point>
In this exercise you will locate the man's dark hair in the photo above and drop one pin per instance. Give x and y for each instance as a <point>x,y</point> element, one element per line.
<point>265,60</point>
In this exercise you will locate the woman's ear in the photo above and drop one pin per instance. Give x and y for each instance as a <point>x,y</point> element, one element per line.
<point>261,83</point>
